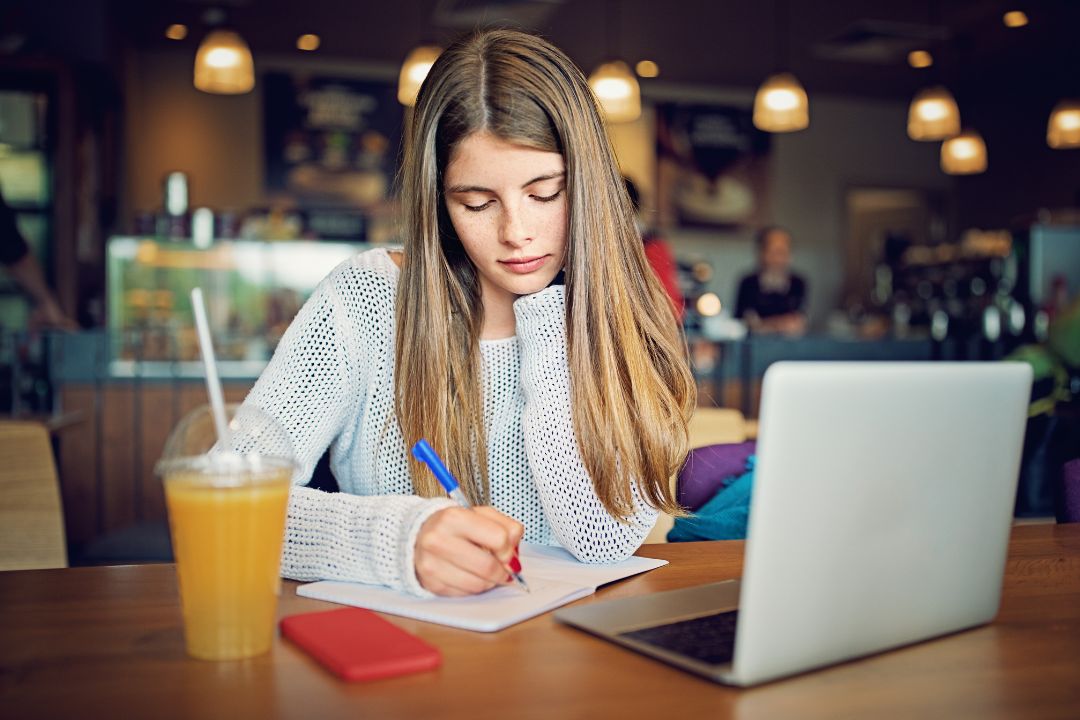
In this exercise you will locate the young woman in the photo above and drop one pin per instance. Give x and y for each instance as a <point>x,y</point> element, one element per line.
<point>561,408</point>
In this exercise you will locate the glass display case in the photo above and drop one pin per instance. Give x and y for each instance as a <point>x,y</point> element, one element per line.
<point>253,290</point>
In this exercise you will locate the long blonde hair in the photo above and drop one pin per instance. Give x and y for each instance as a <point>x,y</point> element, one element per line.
<point>631,388</point>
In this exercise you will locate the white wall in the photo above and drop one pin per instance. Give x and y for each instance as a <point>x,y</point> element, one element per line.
<point>215,139</point>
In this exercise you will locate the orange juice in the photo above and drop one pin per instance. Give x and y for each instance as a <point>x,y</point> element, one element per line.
<point>227,530</point>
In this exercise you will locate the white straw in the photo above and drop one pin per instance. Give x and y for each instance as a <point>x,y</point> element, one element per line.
<point>213,383</point>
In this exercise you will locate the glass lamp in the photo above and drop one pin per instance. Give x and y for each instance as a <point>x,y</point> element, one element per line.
<point>1063,129</point>
<point>964,154</point>
<point>414,70</point>
<point>223,64</point>
<point>933,115</point>
<point>617,90</point>
<point>781,105</point>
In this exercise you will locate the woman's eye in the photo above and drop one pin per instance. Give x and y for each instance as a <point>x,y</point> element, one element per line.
<point>476,208</point>
<point>547,198</point>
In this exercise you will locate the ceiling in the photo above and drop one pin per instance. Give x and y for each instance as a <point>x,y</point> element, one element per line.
<point>840,46</point>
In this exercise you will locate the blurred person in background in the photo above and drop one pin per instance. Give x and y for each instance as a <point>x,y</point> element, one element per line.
<point>23,267</point>
<point>772,299</point>
<point>657,251</point>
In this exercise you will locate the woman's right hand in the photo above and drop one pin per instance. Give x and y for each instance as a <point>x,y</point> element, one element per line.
<point>463,551</point>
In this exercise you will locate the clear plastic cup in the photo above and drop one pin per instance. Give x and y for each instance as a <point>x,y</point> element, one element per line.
<point>227,519</point>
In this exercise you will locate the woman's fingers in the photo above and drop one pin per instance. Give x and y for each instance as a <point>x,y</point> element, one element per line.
<point>460,568</point>
<point>514,530</point>
<point>482,526</point>
<point>460,551</point>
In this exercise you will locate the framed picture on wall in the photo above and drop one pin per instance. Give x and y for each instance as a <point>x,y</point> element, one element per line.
<point>712,167</point>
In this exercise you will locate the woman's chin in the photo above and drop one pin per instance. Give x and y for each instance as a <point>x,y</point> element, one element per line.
<point>527,284</point>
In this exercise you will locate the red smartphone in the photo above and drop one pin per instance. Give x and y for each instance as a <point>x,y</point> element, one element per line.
<point>358,645</point>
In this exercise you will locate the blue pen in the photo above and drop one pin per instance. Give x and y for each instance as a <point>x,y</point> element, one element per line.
<point>427,455</point>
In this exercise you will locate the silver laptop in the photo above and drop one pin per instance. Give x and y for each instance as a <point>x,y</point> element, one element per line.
<point>880,516</point>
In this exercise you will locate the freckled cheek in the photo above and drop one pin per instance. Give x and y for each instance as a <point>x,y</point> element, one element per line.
<point>556,229</point>
<point>550,226</point>
<point>473,231</point>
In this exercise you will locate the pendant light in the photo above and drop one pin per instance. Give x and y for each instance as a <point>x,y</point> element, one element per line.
<point>414,70</point>
<point>964,154</point>
<point>1063,129</point>
<point>780,104</point>
<point>1015,19</point>
<point>617,90</point>
<point>614,84</point>
<point>933,115</point>
<point>223,63</point>
<point>920,59</point>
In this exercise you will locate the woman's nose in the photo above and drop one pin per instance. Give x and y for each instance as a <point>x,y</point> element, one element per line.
<point>515,230</point>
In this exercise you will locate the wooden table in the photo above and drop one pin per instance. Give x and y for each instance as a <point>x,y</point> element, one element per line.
<point>106,642</point>
<point>53,422</point>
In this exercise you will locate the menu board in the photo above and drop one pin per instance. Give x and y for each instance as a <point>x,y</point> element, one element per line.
<point>331,142</point>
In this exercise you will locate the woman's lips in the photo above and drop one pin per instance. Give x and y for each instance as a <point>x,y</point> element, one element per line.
<point>524,266</point>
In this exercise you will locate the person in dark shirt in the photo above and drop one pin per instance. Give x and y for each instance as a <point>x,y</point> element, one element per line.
<point>772,299</point>
<point>20,263</point>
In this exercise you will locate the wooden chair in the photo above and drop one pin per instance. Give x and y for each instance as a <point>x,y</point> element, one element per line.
<point>31,515</point>
<point>708,426</point>
<point>712,426</point>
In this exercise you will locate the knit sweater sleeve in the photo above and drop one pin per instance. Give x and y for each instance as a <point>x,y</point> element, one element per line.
<point>312,386</point>
<point>578,519</point>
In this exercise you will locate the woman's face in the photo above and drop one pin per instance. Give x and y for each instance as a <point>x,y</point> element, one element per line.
<point>508,206</point>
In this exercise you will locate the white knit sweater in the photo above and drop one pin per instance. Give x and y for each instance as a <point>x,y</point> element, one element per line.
<point>331,384</point>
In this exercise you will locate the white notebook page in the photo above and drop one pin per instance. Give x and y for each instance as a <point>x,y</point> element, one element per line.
<point>554,577</point>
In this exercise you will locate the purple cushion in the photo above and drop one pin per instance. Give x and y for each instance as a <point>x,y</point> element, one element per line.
<point>1070,481</point>
<point>707,468</point>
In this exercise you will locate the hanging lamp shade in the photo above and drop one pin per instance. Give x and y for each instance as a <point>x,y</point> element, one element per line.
<point>1063,129</point>
<point>223,64</point>
<point>617,90</point>
<point>933,115</point>
<point>964,154</point>
<point>781,105</point>
<point>414,70</point>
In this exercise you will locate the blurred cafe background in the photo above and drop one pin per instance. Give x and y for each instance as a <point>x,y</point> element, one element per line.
<point>920,162</point>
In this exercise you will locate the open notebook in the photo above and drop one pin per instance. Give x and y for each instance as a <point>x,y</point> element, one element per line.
<point>554,576</point>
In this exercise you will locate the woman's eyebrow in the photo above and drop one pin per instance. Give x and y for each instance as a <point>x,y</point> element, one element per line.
<point>467,189</point>
<point>549,176</point>
<point>477,188</point>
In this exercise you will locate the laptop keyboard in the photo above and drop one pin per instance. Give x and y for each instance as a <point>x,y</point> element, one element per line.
<point>710,639</point>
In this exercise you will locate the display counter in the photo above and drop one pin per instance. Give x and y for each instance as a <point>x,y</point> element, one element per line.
<point>90,357</point>
<point>736,367</point>
<point>252,290</point>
